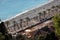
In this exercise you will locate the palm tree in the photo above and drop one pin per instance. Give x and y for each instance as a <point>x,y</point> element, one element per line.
<point>17,25</point>
<point>21,20</point>
<point>53,7</point>
<point>57,7</point>
<point>14,24</point>
<point>7,22</point>
<point>27,19</point>
<point>44,13</point>
<point>49,12</point>
<point>40,15</point>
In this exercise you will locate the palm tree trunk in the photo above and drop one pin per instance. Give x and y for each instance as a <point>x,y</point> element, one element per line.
<point>40,16</point>
<point>21,23</point>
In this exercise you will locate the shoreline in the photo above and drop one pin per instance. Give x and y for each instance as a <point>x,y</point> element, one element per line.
<point>27,11</point>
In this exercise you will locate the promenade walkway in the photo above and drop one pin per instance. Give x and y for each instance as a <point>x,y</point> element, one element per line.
<point>31,30</point>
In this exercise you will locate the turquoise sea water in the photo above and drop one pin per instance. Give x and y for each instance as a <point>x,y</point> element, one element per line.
<point>9,8</point>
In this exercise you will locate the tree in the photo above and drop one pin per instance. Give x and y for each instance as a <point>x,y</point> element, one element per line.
<point>44,13</point>
<point>53,7</point>
<point>3,29</point>
<point>21,20</point>
<point>7,23</point>
<point>14,24</point>
<point>58,6</point>
<point>21,37</point>
<point>27,19</point>
<point>40,14</point>
<point>49,12</point>
<point>2,37</point>
<point>56,21</point>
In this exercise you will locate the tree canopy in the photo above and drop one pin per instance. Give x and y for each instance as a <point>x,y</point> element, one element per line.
<point>1,36</point>
<point>56,21</point>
